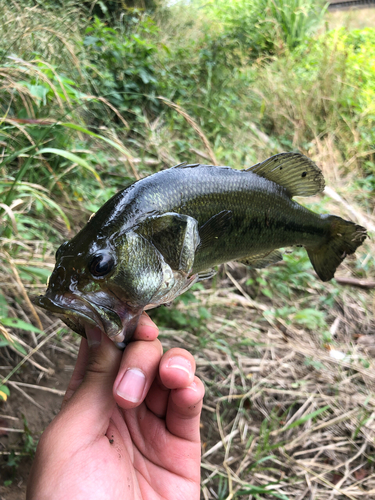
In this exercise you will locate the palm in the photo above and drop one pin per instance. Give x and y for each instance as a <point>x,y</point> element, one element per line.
<point>164,464</point>
<point>137,458</point>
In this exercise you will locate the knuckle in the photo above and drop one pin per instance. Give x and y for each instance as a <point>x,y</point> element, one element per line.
<point>96,365</point>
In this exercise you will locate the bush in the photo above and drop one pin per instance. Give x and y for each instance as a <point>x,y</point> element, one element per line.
<point>324,87</point>
<point>120,63</point>
<point>264,27</point>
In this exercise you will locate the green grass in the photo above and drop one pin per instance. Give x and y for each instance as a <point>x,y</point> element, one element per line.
<point>89,106</point>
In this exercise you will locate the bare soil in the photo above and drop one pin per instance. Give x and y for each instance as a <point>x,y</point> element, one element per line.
<point>37,413</point>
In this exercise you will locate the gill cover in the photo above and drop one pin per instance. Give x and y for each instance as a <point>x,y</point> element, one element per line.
<point>108,281</point>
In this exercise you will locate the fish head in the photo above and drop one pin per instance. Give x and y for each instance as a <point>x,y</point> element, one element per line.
<point>106,283</point>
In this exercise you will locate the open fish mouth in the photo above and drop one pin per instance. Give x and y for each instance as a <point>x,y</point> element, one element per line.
<point>78,313</point>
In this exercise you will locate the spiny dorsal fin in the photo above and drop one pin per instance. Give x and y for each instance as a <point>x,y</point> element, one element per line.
<point>263,259</point>
<point>293,171</point>
<point>186,165</point>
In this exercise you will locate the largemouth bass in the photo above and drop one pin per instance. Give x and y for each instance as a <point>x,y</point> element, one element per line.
<point>153,240</point>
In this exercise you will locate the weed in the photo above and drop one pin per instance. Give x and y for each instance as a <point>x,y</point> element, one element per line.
<point>27,449</point>
<point>120,63</point>
<point>175,316</point>
<point>91,103</point>
<point>265,26</point>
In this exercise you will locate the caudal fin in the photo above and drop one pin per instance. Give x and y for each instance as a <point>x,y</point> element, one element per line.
<point>345,238</point>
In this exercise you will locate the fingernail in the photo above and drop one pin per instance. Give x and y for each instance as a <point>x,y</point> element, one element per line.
<point>132,385</point>
<point>180,363</point>
<point>193,387</point>
<point>94,336</point>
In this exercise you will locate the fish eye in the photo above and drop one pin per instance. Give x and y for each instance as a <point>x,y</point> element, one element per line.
<point>101,264</point>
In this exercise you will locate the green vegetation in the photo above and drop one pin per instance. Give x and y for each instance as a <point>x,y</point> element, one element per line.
<point>96,95</point>
<point>264,27</point>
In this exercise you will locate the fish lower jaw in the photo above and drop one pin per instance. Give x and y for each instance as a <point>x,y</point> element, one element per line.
<point>79,321</point>
<point>78,312</point>
<point>117,337</point>
<point>129,318</point>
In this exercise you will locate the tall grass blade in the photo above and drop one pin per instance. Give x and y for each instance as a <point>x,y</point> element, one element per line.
<point>75,159</point>
<point>307,417</point>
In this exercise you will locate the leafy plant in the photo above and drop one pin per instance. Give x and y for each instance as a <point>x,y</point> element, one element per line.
<point>264,27</point>
<point>174,317</point>
<point>28,448</point>
<point>120,63</point>
<point>4,391</point>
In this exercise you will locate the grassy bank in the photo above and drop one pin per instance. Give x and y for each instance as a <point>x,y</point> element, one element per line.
<point>91,101</point>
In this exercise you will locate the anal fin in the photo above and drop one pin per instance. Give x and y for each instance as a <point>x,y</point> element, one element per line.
<point>262,260</point>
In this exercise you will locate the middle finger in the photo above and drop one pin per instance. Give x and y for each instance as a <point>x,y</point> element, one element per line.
<point>177,368</point>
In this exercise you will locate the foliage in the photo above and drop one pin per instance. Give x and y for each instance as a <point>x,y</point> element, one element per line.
<point>120,62</point>
<point>110,10</point>
<point>83,107</point>
<point>264,27</point>
<point>289,97</point>
<point>174,316</point>
<point>28,449</point>
<point>4,393</point>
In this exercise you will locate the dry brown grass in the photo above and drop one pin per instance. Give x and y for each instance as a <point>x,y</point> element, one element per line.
<point>37,30</point>
<point>264,378</point>
<point>261,378</point>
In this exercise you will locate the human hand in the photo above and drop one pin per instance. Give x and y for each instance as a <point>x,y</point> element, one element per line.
<point>128,428</point>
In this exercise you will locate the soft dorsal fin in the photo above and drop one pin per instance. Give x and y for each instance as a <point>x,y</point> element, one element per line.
<point>293,171</point>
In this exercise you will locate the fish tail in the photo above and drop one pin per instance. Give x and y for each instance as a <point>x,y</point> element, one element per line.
<point>344,238</point>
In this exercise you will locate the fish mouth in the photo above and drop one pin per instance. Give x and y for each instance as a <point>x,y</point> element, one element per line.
<point>78,313</point>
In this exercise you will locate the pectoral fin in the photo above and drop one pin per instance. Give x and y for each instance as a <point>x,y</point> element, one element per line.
<point>214,229</point>
<point>262,260</point>
<point>175,236</point>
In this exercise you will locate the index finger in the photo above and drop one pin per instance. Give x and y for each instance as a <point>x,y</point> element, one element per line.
<point>146,328</point>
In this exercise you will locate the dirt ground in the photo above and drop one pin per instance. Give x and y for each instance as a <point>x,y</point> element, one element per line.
<point>37,412</point>
<point>280,411</point>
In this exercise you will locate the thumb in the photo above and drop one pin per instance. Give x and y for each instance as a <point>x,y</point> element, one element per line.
<point>92,404</point>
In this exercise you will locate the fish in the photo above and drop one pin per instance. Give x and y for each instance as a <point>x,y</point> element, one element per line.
<point>154,239</point>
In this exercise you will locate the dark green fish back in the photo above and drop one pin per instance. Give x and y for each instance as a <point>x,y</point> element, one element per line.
<point>240,213</point>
